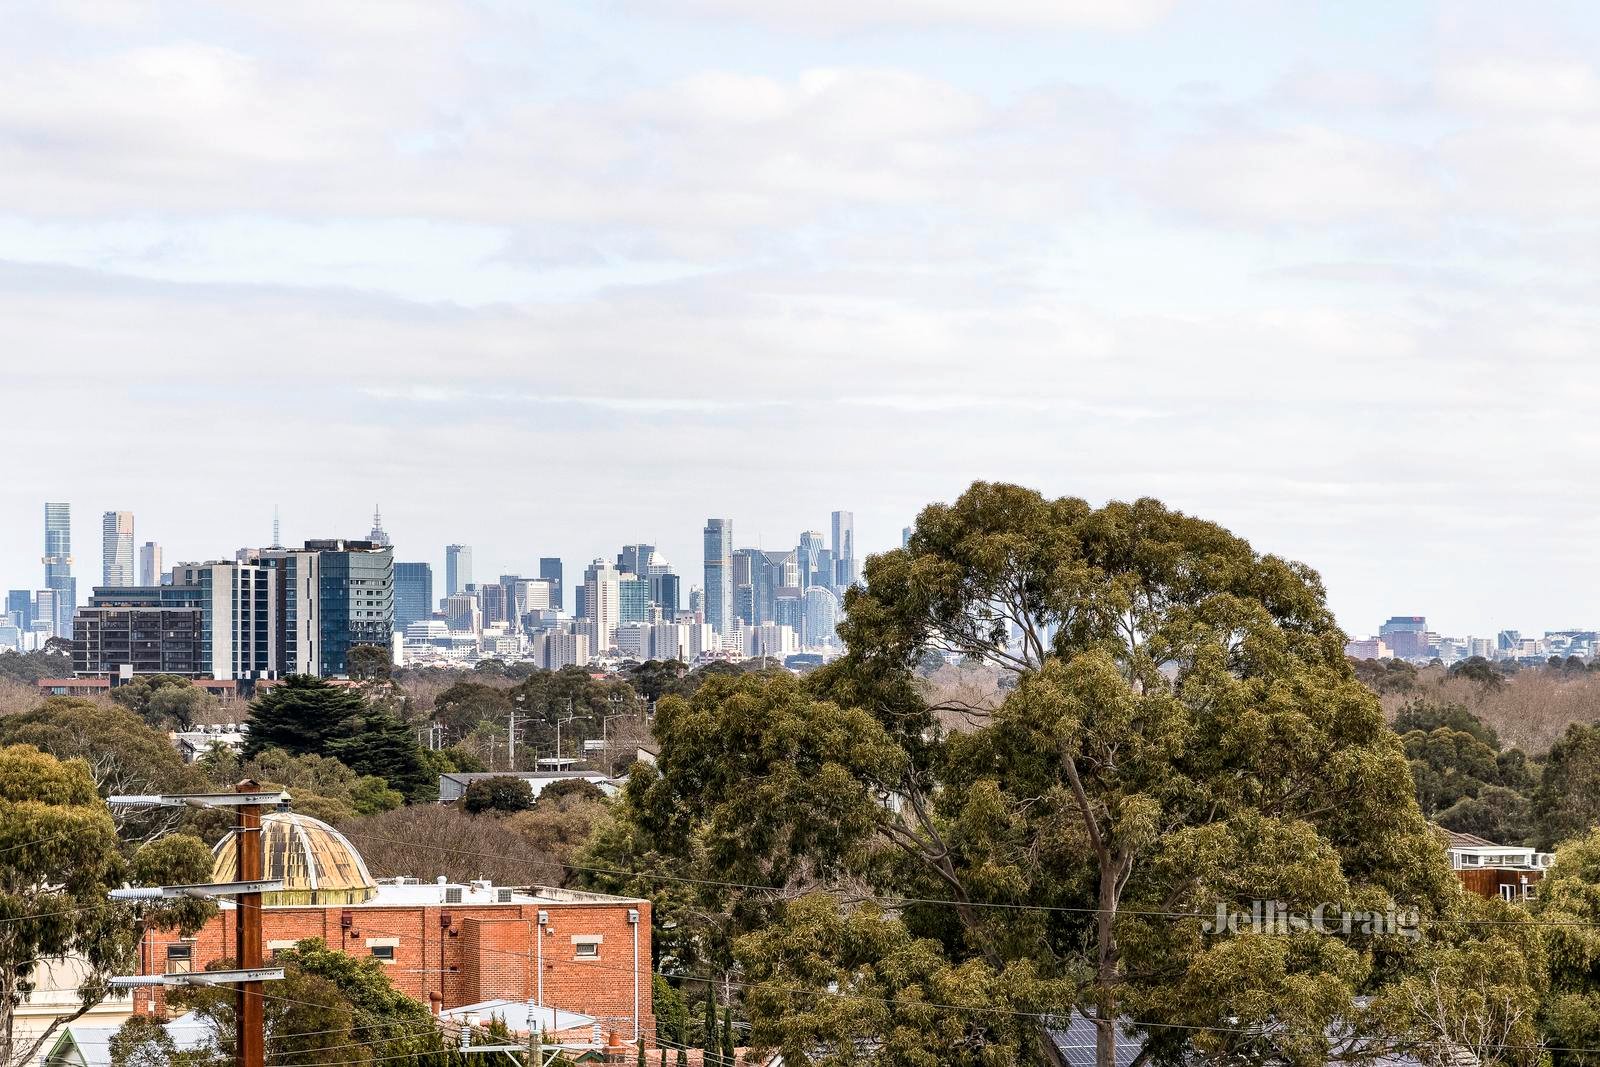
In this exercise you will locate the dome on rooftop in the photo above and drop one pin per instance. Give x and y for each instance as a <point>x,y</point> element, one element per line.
<point>318,864</point>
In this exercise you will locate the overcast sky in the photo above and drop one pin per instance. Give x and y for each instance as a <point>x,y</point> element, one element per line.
<point>545,278</point>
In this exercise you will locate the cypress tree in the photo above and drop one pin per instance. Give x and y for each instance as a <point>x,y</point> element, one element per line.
<point>727,1035</point>
<point>712,1046</point>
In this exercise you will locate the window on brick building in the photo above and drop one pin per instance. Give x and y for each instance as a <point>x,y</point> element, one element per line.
<point>586,950</point>
<point>180,959</point>
<point>383,953</point>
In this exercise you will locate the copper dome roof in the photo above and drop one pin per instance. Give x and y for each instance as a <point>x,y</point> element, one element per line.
<point>318,864</point>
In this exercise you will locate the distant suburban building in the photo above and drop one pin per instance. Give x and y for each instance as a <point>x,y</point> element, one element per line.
<point>452,787</point>
<point>1368,648</point>
<point>1511,872</point>
<point>1407,635</point>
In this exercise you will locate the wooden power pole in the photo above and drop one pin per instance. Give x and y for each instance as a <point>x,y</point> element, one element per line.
<point>250,1007</point>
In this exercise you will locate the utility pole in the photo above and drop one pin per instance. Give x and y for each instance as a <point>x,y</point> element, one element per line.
<point>247,800</point>
<point>247,928</point>
<point>511,738</point>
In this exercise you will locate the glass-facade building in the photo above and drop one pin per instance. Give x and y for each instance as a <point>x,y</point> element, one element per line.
<point>58,566</point>
<point>413,594</point>
<point>355,600</point>
<point>550,571</point>
<point>633,599</point>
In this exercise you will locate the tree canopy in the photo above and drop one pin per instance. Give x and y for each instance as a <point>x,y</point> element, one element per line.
<point>1183,733</point>
<point>59,857</point>
<point>311,716</point>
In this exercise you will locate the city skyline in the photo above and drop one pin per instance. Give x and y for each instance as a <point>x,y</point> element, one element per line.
<point>486,560</point>
<point>1324,285</point>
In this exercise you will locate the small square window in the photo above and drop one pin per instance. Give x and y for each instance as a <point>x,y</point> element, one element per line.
<point>586,950</point>
<point>180,959</point>
<point>383,953</point>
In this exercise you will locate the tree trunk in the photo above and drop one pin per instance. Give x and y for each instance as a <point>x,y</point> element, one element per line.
<point>1105,1014</point>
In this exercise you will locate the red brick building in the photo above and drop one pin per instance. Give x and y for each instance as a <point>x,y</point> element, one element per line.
<point>446,944</point>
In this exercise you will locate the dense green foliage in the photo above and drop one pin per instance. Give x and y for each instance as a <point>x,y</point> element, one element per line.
<point>1182,732</point>
<point>503,794</point>
<point>124,755</point>
<point>306,715</point>
<point>1566,804</point>
<point>330,1008</point>
<point>59,857</point>
<point>29,667</point>
<point>163,699</point>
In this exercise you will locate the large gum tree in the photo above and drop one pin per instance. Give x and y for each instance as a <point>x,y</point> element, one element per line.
<point>1179,731</point>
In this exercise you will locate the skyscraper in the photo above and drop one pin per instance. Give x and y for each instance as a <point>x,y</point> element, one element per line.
<point>413,594</point>
<point>116,548</point>
<point>805,554</point>
<point>602,601</point>
<point>844,548</point>
<point>550,571</point>
<point>719,564</point>
<point>635,559</point>
<point>822,617</point>
<point>150,564</point>
<point>19,608</point>
<point>57,562</point>
<point>356,593</point>
<point>457,569</point>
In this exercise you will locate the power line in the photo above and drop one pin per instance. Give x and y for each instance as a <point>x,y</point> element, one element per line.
<point>896,902</point>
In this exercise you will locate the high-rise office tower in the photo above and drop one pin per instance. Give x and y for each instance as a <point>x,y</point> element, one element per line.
<point>635,559</point>
<point>463,613</point>
<point>805,555</point>
<point>664,593</point>
<point>492,597</point>
<point>19,608</point>
<point>57,562</point>
<point>46,613</point>
<point>377,535</point>
<point>719,577</point>
<point>905,536</point>
<point>550,571</point>
<point>150,564</point>
<point>457,569</point>
<point>844,548</point>
<point>413,594</point>
<point>333,595</point>
<point>356,583</point>
<point>633,598</point>
<point>742,572</point>
<point>602,600</point>
<point>822,617</point>
<point>116,548</point>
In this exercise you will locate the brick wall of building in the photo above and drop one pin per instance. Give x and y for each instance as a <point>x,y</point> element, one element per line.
<point>464,954</point>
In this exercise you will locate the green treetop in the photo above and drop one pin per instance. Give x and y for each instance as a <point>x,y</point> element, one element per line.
<point>1180,730</point>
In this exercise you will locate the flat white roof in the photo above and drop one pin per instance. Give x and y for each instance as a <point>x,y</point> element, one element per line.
<point>430,894</point>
